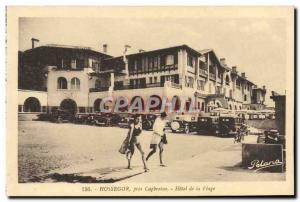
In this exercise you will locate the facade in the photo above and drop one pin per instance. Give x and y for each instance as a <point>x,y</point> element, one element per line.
<point>77,79</point>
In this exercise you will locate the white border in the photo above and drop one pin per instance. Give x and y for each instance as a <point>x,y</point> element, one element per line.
<point>91,2</point>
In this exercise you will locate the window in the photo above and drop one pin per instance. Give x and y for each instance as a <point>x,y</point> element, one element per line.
<point>150,63</point>
<point>218,90</point>
<point>245,97</point>
<point>155,62</point>
<point>150,80</point>
<point>135,65</point>
<point>73,64</point>
<point>65,63</point>
<point>62,83</point>
<point>170,60</point>
<point>144,63</point>
<point>191,61</point>
<point>227,80</point>
<point>219,74</point>
<point>200,85</point>
<point>189,81</point>
<point>75,83</point>
<point>97,83</point>
<point>155,79</point>
<point>202,106</point>
<point>238,84</point>
<point>95,66</point>
<point>80,64</point>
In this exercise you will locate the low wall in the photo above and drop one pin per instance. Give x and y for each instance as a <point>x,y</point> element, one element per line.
<point>27,116</point>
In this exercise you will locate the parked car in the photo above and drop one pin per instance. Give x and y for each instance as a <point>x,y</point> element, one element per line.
<point>61,116</point>
<point>107,119</point>
<point>124,122</point>
<point>148,121</point>
<point>272,136</point>
<point>91,119</point>
<point>228,125</point>
<point>271,116</point>
<point>208,125</point>
<point>184,123</point>
<point>44,117</point>
<point>81,118</point>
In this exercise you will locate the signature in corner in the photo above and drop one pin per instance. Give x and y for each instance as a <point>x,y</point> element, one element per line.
<point>257,165</point>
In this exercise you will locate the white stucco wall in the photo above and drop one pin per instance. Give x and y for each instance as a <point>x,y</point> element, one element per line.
<point>56,96</point>
<point>40,95</point>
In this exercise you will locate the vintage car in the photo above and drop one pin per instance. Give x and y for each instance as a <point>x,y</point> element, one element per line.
<point>61,116</point>
<point>107,119</point>
<point>44,117</point>
<point>125,121</point>
<point>273,137</point>
<point>208,125</point>
<point>184,123</point>
<point>229,125</point>
<point>148,121</point>
<point>81,118</point>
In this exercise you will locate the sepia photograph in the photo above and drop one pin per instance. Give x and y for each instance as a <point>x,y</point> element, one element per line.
<point>150,101</point>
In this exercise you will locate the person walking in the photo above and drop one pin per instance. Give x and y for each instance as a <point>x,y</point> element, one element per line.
<point>135,129</point>
<point>158,137</point>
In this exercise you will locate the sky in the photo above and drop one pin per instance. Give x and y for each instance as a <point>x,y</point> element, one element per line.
<point>256,46</point>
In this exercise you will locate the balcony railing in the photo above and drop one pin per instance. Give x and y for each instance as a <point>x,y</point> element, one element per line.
<point>127,87</point>
<point>102,89</point>
<point>161,68</point>
<point>212,76</point>
<point>203,72</point>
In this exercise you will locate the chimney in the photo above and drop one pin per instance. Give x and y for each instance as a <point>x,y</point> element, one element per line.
<point>104,48</point>
<point>243,74</point>
<point>141,50</point>
<point>234,69</point>
<point>33,40</point>
<point>126,47</point>
<point>223,61</point>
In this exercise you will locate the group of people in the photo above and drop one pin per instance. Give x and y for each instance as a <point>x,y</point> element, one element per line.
<point>241,132</point>
<point>133,140</point>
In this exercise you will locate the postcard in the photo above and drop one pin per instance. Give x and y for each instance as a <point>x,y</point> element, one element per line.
<point>150,101</point>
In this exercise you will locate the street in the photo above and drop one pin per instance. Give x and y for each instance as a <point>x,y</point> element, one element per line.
<point>91,152</point>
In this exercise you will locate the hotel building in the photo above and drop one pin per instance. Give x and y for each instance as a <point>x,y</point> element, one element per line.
<point>78,78</point>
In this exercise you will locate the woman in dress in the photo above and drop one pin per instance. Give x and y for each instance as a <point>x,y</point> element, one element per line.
<point>135,129</point>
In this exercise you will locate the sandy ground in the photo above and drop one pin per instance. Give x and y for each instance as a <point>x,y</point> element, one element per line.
<point>47,148</point>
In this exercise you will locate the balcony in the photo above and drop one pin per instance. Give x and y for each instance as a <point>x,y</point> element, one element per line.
<point>203,72</point>
<point>212,76</point>
<point>127,87</point>
<point>102,89</point>
<point>172,85</point>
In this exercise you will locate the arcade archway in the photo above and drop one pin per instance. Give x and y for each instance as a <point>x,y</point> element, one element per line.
<point>69,105</point>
